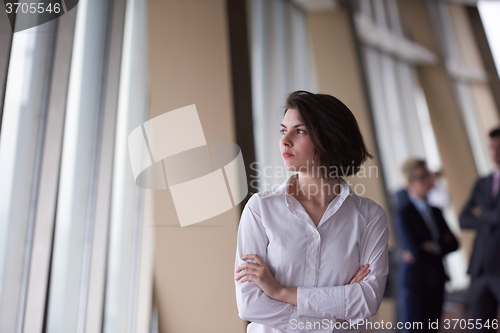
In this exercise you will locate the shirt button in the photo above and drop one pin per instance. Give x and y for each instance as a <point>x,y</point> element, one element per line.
<point>313,272</point>
<point>316,236</point>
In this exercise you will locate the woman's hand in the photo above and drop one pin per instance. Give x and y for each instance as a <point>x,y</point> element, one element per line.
<point>259,273</point>
<point>360,275</point>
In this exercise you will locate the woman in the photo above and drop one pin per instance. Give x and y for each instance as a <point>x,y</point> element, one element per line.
<point>300,246</point>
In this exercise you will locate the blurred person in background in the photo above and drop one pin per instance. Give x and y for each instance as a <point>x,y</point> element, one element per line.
<point>439,194</point>
<point>425,239</point>
<point>482,213</point>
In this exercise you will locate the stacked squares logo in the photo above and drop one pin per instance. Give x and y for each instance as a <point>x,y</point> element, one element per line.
<point>204,179</point>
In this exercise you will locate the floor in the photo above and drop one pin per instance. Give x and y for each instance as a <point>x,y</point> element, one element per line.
<point>455,312</point>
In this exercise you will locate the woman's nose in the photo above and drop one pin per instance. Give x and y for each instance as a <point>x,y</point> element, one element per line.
<point>285,140</point>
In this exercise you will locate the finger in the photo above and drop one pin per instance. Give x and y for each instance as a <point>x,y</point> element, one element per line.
<point>250,276</point>
<point>241,277</point>
<point>245,279</point>
<point>241,267</point>
<point>255,257</point>
<point>364,275</point>
<point>361,271</point>
<point>241,274</point>
<point>246,266</point>
<point>355,279</point>
<point>246,272</point>
<point>363,268</point>
<point>249,270</point>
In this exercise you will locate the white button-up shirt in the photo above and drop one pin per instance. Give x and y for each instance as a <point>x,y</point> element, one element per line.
<point>320,261</point>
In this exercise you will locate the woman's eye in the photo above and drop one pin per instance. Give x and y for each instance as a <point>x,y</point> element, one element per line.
<point>299,131</point>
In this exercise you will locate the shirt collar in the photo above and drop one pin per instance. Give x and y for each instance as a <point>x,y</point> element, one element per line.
<point>334,204</point>
<point>420,203</point>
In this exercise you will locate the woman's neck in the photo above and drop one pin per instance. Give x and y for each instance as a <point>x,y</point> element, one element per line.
<point>316,189</point>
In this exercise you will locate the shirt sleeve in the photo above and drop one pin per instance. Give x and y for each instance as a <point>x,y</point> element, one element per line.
<point>360,300</point>
<point>253,304</point>
<point>406,234</point>
<point>489,215</point>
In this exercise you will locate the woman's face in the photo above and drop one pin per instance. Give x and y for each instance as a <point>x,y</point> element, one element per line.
<point>296,146</point>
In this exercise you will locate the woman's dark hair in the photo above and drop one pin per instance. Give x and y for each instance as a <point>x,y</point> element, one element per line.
<point>339,145</point>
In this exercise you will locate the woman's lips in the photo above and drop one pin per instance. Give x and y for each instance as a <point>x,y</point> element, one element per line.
<point>286,154</point>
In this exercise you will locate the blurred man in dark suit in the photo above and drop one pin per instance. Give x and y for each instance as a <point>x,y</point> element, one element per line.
<point>425,239</point>
<point>482,212</point>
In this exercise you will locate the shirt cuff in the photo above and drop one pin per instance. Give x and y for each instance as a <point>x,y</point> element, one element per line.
<point>322,302</point>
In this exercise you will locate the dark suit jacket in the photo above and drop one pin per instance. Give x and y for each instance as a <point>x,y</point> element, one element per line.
<point>427,271</point>
<point>485,256</point>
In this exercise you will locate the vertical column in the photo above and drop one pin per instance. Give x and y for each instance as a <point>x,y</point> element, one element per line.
<point>487,93</point>
<point>36,297</point>
<point>485,53</point>
<point>241,82</point>
<point>189,57</point>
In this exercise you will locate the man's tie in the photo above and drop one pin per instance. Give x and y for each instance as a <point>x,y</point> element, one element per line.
<point>431,224</point>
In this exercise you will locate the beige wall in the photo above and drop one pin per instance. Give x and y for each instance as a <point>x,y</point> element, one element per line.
<point>338,74</point>
<point>189,64</point>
